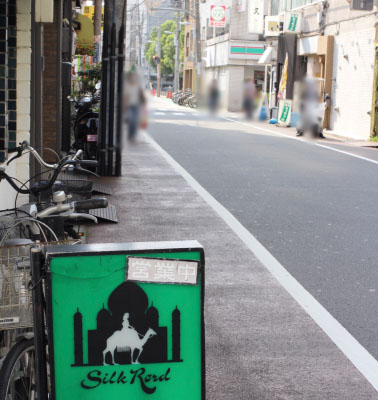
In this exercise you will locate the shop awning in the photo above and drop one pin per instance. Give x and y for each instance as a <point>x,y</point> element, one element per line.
<point>266,58</point>
<point>85,35</point>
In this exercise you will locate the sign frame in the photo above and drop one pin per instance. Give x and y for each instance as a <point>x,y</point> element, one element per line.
<point>127,249</point>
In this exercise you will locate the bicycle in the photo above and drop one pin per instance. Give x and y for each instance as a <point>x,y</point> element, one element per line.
<point>17,374</point>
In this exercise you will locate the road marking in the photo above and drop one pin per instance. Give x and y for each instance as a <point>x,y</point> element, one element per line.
<point>304,141</point>
<point>351,348</point>
<point>178,113</point>
<point>159,113</point>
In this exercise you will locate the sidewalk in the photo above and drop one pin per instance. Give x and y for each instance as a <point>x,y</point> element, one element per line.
<point>260,344</point>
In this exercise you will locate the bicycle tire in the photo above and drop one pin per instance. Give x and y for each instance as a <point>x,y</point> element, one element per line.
<point>17,389</point>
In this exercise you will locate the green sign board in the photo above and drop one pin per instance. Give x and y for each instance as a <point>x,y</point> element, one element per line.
<point>126,321</point>
<point>293,22</point>
<point>284,112</point>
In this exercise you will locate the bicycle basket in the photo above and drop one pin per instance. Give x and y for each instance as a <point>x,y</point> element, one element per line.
<point>15,296</point>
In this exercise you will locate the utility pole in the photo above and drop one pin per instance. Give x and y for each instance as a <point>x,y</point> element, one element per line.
<point>176,82</point>
<point>139,39</point>
<point>97,28</point>
<point>197,32</point>
<point>159,63</point>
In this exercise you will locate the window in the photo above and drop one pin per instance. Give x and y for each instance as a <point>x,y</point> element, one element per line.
<point>187,44</point>
<point>279,6</point>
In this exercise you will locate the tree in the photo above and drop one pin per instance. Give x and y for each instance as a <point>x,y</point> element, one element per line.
<point>167,47</point>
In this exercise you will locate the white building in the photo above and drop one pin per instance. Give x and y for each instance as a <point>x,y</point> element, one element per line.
<point>231,54</point>
<point>339,45</point>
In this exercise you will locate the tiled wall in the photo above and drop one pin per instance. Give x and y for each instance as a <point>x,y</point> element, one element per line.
<point>12,73</point>
<point>3,79</point>
<point>8,76</point>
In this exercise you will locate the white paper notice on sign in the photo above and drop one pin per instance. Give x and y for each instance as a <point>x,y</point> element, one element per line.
<point>256,11</point>
<point>158,270</point>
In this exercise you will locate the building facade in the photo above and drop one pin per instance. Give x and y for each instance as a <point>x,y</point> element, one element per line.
<point>231,53</point>
<point>337,45</point>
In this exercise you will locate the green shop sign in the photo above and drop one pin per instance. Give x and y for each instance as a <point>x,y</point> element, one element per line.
<point>293,22</point>
<point>126,321</point>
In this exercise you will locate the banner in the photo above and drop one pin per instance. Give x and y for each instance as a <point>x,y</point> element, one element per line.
<point>217,16</point>
<point>256,16</point>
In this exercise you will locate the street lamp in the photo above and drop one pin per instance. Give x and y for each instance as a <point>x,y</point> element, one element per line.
<point>169,32</point>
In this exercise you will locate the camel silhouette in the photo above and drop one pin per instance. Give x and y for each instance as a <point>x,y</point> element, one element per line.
<point>127,339</point>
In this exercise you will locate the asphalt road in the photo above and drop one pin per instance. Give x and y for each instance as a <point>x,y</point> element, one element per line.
<point>314,209</point>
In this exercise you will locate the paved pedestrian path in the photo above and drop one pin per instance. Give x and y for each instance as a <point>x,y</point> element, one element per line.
<point>260,344</point>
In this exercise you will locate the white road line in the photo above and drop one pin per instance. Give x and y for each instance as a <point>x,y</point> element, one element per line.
<point>302,140</point>
<point>159,113</point>
<point>178,113</point>
<point>356,353</point>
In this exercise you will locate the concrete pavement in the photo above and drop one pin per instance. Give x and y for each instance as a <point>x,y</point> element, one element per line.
<point>260,344</point>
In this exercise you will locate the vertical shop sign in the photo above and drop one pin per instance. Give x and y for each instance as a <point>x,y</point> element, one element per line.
<point>256,13</point>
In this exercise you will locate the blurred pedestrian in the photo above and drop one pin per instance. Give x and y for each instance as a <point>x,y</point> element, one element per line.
<point>311,109</point>
<point>213,96</point>
<point>134,101</point>
<point>249,98</point>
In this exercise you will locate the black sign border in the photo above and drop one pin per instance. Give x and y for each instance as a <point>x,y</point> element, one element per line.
<point>103,249</point>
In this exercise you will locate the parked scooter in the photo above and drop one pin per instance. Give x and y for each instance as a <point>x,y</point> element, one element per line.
<point>86,125</point>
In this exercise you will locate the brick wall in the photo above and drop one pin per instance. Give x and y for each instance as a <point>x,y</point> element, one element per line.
<point>50,94</point>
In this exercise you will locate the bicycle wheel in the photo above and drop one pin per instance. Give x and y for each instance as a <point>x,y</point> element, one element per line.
<point>17,374</point>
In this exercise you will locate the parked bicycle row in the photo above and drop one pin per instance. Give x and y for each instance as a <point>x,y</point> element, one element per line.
<point>56,212</point>
<point>185,98</point>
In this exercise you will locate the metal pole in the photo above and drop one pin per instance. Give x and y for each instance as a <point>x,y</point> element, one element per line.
<point>121,60</point>
<point>97,28</point>
<point>103,128</point>
<point>198,43</point>
<point>112,92</point>
<point>159,64</point>
<point>177,54</point>
<point>39,324</point>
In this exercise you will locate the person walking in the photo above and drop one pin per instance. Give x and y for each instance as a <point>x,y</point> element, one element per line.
<point>133,102</point>
<point>249,98</point>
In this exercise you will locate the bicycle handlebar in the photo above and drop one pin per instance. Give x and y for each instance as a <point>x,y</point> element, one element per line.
<point>83,205</point>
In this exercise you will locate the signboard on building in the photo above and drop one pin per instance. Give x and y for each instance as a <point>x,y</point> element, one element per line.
<point>293,22</point>
<point>272,26</point>
<point>284,112</point>
<point>88,11</point>
<point>246,51</point>
<point>362,5</point>
<point>217,16</point>
<point>241,5</point>
<point>256,11</point>
<point>132,326</point>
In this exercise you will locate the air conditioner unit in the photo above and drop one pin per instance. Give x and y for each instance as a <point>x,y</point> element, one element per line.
<point>272,26</point>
